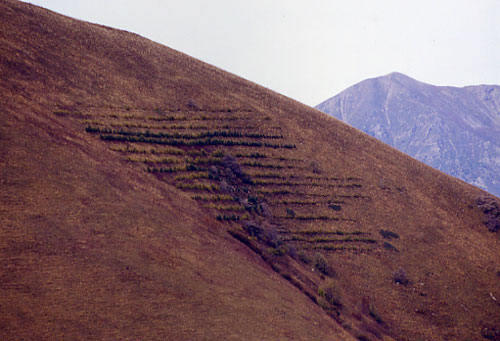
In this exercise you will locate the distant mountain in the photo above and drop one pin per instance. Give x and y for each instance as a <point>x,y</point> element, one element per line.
<point>456,130</point>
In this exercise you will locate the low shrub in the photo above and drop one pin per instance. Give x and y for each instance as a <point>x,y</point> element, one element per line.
<point>388,234</point>
<point>278,251</point>
<point>218,207</point>
<point>261,165</point>
<point>390,247</point>
<point>363,338</point>
<point>272,237</point>
<point>335,207</point>
<point>218,153</point>
<point>312,217</point>
<point>321,264</point>
<point>230,162</point>
<point>214,198</point>
<point>268,175</point>
<point>490,333</point>
<point>253,229</point>
<point>400,277</point>
<point>331,293</point>
<point>290,213</point>
<point>192,105</point>
<point>292,251</point>
<point>231,217</point>
<point>252,155</point>
<point>303,257</point>
<point>373,313</point>
<point>191,176</point>
<point>315,167</point>
<point>197,186</point>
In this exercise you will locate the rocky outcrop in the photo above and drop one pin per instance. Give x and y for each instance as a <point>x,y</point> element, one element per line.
<point>491,210</point>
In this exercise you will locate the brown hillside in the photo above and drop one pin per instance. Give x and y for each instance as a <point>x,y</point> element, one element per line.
<point>147,195</point>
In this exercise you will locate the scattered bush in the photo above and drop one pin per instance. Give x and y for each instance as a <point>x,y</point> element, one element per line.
<point>315,167</point>
<point>149,160</point>
<point>230,162</point>
<point>253,200</point>
<point>268,175</point>
<point>400,277</point>
<point>214,198</point>
<point>277,251</point>
<point>311,217</point>
<point>330,297</point>
<point>191,104</point>
<point>252,155</point>
<point>272,182</point>
<point>197,186</point>
<point>218,153</point>
<point>490,333</point>
<point>272,237</point>
<point>292,251</point>
<point>206,160</point>
<point>388,234</point>
<point>304,258</point>
<point>192,168</point>
<point>234,208</point>
<point>277,191</point>
<point>267,235</point>
<point>362,338</point>
<point>62,113</point>
<point>390,247</point>
<point>321,264</point>
<point>190,176</point>
<point>253,229</point>
<point>261,165</point>
<point>373,313</point>
<point>330,247</point>
<point>231,217</point>
<point>326,238</point>
<point>319,232</point>
<point>169,169</point>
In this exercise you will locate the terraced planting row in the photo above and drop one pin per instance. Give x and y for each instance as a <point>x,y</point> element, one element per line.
<point>240,166</point>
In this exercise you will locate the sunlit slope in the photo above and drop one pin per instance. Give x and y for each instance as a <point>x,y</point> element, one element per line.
<point>126,164</point>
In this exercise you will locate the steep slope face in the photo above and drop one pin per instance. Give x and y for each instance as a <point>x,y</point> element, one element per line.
<point>456,130</point>
<point>90,248</point>
<point>125,165</point>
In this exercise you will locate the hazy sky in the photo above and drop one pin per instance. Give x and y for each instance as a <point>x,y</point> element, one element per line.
<point>311,50</point>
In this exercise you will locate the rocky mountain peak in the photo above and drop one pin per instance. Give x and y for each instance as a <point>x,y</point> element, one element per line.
<point>456,130</point>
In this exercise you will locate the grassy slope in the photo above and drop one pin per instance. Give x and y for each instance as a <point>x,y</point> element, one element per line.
<point>90,250</point>
<point>93,248</point>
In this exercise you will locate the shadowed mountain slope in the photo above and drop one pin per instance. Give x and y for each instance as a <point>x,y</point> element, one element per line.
<point>456,130</point>
<point>145,194</point>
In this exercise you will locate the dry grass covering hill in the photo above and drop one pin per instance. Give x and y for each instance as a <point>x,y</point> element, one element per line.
<point>145,194</point>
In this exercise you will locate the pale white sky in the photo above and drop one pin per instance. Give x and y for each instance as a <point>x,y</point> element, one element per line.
<point>311,50</point>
